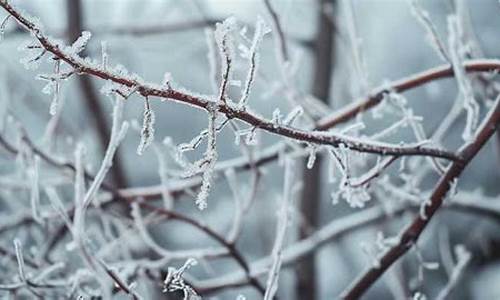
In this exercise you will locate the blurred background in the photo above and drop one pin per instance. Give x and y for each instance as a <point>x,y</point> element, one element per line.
<point>337,51</point>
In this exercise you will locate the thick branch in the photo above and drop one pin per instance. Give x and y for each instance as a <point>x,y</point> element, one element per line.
<point>409,236</point>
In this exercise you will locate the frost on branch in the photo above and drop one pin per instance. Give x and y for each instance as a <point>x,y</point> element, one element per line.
<point>207,164</point>
<point>458,53</point>
<point>312,156</point>
<point>224,42</point>
<point>80,43</point>
<point>35,190</point>
<point>147,131</point>
<point>356,196</point>
<point>104,55</point>
<point>33,55</point>
<point>432,35</point>
<point>55,93</point>
<point>463,258</point>
<point>2,26</point>
<point>175,282</point>
<point>293,115</point>
<point>252,55</point>
<point>283,219</point>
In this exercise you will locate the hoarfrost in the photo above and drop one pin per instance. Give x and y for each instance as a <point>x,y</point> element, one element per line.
<point>147,131</point>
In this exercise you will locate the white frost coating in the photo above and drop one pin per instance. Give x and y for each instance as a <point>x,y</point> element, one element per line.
<point>372,254</point>
<point>118,131</point>
<point>56,87</point>
<point>18,247</point>
<point>167,80</point>
<point>211,57</point>
<point>148,131</point>
<point>463,259</point>
<point>356,196</point>
<point>432,36</point>
<point>35,190</point>
<point>293,115</point>
<point>360,69</point>
<point>277,118</point>
<point>238,204</point>
<point>283,216</point>
<point>384,243</point>
<point>79,188</point>
<point>175,282</point>
<point>252,55</point>
<point>80,43</point>
<point>34,53</point>
<point>58,205</point>
<point>2,27</point>
<point>222,35</point>
<point>312,156</point>
<point>423,264</point>
<point>457,55</point>
<point>141,227</point>
<point>209,160</point>
<point>104,55</point>
<point>162,172</point>
<point>248,133</point>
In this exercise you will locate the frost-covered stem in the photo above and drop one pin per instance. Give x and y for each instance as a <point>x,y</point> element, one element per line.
<point>75,20</point>
<point>283,216</point>
<point>208,162</point>
<point>35,190</point>
<point>253,58</point>
<point>79,191</point>
<point>143,231</point>
<point>238,206</point>
<point>411,233</point>
<point>463,259</point>
<point>423,18</point>
<point>224,41</point>
<point>20,259</point>
<point>212,61</point>
<point>147,131</point>
<point>55,97</point>
<point>280,34</point>
<point>457,55</point>
<point>153,90</point>
<point>2,26</point>
<point>52,124</point>
<point>372,173</point>
<point>355,45</point>
<point>164,180</point>
<point>284,62</point>
<point>119,282</point>
<point>118,131</point>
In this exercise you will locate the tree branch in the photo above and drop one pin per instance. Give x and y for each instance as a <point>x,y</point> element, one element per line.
<point>151,90</point>
<point>409,236</point>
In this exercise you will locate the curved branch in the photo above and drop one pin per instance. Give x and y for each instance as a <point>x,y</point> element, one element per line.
<point>350,111</point>
<point>151,90</point>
